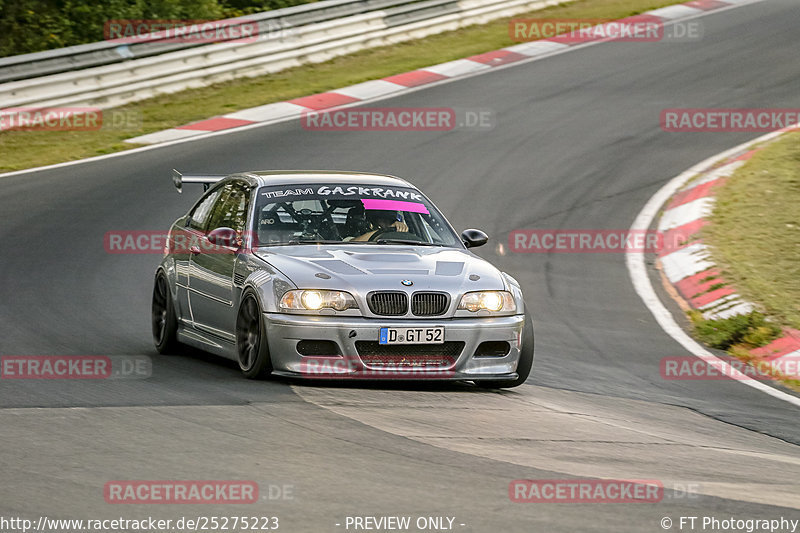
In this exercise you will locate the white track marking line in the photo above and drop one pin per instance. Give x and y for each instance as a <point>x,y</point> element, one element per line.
<point>641,281</point>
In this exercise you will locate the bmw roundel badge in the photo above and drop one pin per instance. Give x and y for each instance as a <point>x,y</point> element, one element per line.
<point>406,282</point>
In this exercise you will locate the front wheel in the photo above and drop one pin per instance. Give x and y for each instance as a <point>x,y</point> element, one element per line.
<point>525,361</point>
<point>251,342</point>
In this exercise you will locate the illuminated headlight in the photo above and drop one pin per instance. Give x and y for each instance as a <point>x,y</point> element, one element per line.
<point>489,301</point>
<point>314,300</point>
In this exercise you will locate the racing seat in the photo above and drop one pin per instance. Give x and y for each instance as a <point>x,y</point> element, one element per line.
<point>356,222</point>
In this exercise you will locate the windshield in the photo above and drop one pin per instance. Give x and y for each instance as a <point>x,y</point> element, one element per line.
<point>357,214</point>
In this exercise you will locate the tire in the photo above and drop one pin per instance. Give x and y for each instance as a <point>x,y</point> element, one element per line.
<point>163,319</point>
<point>524,365</point>
<point>251,342</point>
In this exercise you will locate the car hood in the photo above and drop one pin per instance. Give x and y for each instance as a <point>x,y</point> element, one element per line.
<point>365,268</point>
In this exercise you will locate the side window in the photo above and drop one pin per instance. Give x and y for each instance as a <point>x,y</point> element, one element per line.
<point>231,209</point>
<point>199,216</point>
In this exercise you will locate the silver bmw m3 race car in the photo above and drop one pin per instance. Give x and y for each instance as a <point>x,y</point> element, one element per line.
<point>337,275</point>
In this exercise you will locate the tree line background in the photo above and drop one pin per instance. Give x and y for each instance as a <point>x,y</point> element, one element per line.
<point>34,25</point>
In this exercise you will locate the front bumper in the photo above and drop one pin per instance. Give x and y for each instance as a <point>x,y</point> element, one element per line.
<point>285,331</point>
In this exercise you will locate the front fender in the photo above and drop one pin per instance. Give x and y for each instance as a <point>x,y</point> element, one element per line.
<point>266,282</point>
<point>513,286</point>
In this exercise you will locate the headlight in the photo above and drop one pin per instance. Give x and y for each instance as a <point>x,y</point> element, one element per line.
<point>489,301</point>
<point>314,300</point>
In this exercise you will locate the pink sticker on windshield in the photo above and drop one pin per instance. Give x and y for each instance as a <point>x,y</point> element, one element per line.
<point>395,205</point>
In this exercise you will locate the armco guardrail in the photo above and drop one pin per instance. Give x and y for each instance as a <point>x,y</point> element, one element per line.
<point>29,66</point>
<point>90,75</point>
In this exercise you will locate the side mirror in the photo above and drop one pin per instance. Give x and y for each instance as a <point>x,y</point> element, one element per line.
<point>223,236</point>
<point>474,237</point>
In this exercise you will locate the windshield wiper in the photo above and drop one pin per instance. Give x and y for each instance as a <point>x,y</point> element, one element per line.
<point>295,242</point>
<point>315,241</point>
<point>406,241</point>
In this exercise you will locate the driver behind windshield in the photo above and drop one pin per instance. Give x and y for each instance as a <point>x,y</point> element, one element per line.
<point>382,220</point>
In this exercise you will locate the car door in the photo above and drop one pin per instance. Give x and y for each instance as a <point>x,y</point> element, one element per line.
<point>185,236</point>
<point>212,265</point>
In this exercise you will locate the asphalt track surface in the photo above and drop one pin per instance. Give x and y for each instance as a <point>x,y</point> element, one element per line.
<point>577,145</point>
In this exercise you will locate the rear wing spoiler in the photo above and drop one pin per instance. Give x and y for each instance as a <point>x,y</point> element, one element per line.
<point>179,179</point>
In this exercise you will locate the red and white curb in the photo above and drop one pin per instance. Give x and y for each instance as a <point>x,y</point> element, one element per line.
<point>685,259</point>
<point>404,82</point>
<point>686,263</point>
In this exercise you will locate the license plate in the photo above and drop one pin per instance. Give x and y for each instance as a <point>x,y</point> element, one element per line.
<point>412,335</point>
